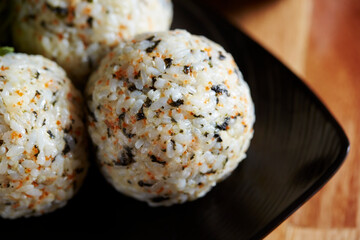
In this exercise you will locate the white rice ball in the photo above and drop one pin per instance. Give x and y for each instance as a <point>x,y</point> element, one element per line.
<point>42,137</point>
<point>77,34</point>
<point>170,115</point>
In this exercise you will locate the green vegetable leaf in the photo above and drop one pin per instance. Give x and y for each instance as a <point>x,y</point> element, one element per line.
<point>6,50</point>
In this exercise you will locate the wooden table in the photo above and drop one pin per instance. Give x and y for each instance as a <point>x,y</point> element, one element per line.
<point>320,41</point>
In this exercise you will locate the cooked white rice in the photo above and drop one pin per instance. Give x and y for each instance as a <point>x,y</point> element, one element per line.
<point>77,34</point>
<point>170,115</point>
<point>42,137</point>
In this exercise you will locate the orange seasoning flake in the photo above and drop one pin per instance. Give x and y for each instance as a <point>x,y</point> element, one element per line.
<point>87,10</point>
<point>47,84</point>
<point>60,36</point>
<point>35,150</point>
<point>120,73</point>
<point>15,135</point>
<point>19,93</point>
<point>3,68</point>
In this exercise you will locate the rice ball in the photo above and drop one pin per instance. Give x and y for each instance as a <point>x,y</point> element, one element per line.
<point>170,116</point>
<point>42,137</point>
<point>77,34</point>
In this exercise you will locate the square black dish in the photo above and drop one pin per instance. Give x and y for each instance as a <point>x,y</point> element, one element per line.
<point>296,148</point>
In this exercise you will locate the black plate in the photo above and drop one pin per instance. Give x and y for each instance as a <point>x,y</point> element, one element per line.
<point>296,148</point>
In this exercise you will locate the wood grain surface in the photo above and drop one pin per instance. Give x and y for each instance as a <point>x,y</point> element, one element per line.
<point>320,41</point>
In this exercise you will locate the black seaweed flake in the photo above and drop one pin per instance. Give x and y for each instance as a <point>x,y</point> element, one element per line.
<point>153,83</point>
<point>37,75</point>
<point>219,90</point>
<point>198,116</point>
<point>108,132</point>
<point>128,135</point>
<point>1,142</point>
<point>121,117</point>
<point>221,56</point>
<point>219,139</point>
<point>225,162</point>
<point>138,74</point>
<point>237,115</point>
<point>159,199</point>
<point>173,144</point>
<point>44,122</point>
<point>144,184</point>
<point>45,107</point>
<point>38,151</point>
<point>37,93</point>
<point>132,88</point>
<point>140,115</point>
<point>62,12</point>
<point>168,62</point>
<point>210,172</point>
<point>177,103</point>
<point>66,147</point>
<point>51,135</point>
<point>90,21</point>
<point>150,49</point>
<point>156,160</point>
<point>224,125</point>
<point>150,38</point>
<point>192,156</point>
<point>35,114</point>
<point>147,103</point>
<point>126,158</point>
<point>187,69</point>
<point>173,120</point>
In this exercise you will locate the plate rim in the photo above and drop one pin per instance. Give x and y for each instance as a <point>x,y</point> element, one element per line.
<point>332,169</point>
